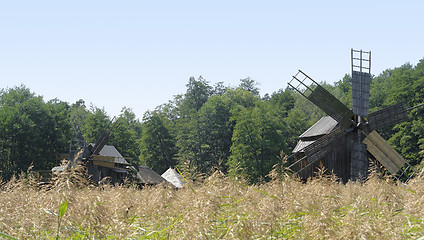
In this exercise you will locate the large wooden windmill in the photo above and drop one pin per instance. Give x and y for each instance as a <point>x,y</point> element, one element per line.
<point>343,141</point>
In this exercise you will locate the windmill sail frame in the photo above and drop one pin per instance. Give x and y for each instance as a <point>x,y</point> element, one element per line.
<point>388,116</point>
<point>322,99</point>
<point>384,153</point>
<point>361,79</point>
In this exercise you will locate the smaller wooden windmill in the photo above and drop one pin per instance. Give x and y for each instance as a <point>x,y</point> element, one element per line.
<point>343,140</point>
<point>102,161</point>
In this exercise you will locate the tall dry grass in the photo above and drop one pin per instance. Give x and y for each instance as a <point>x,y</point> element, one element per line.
<point>219,208</point>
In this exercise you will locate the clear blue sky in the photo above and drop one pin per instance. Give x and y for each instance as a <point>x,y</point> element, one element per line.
<point>139,54</point>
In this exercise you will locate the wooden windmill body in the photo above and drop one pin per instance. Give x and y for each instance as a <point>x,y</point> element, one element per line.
<point>102,161</point>
<point>344,140</point>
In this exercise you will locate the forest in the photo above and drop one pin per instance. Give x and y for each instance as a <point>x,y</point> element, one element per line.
<point>209,127</point>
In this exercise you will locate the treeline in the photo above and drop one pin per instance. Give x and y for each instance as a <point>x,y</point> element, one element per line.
<point>207,128</point>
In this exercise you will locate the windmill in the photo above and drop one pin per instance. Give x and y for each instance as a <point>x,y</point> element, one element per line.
<point>100,159</point>
<point>342,140</point>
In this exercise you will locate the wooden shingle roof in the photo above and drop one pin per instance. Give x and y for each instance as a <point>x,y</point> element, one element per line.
<point>147,176</point>
<point>324,126</point>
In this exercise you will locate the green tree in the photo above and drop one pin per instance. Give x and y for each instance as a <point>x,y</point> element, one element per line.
<point>127,136</point>
<point>257,140</point>
<point>32,132</point>
<point>198,92</point>
<point>219,89</point>
<point>342,90</point>
<point>95,123</point>
<point>185,112</point>
<point>249,85</point>
<point>212,134</point>
<point>204,137</point>
<point>284,101</point>
<point>241,98</point>
<point>157,145</point>
<point>60,132</point>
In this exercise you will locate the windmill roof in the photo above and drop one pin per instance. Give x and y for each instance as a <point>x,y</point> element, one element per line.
<point>301,145</point>
<point>111,151</point>
<point>324,126</point>
<point>147,176</point>
<point>173,177</point>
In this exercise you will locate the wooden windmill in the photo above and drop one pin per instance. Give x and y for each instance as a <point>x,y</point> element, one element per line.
<point>105,162</point>
<point>343,140</point>
<point>100,159</point>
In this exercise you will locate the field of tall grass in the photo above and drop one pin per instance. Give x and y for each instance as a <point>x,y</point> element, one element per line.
<point>218,208</point>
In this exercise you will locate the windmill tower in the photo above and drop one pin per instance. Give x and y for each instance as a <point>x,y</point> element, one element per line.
<point>343,140</point>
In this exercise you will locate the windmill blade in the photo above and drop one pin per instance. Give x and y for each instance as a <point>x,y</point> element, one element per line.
<point>360,93</point>
<point>317,150</point>
<point>315,93</point>
<point>388,116</point>
<point>383,152</point>
<point>361,78</point>
<point>101,142</point>
<point>323,145</point>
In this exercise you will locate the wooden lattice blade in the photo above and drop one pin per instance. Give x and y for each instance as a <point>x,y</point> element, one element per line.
<point>360,93</point>
<point>361,79</point>
<point>388,116</point>
<point>384,153</point>
<point>332,106</point>
<point>101,142</point>
<point>322,99</point>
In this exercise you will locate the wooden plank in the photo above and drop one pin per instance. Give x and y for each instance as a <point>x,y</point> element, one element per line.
<point>384,153</point>
<point>104,164</point>
<point>398,160</point>
<point>103,158</point>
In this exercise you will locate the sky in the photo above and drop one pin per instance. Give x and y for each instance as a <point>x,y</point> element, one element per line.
<point>140,54</point>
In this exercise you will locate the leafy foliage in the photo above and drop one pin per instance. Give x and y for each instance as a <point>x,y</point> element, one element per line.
<point>257,142</point>
<point>32,131</point>
<point>157,146</point>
